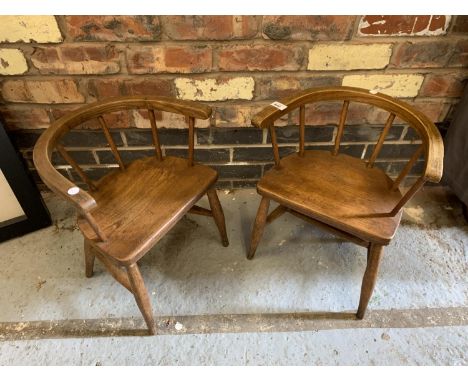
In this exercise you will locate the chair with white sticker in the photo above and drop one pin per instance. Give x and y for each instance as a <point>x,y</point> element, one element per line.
<point>126,212</point>
<point>347,196</point>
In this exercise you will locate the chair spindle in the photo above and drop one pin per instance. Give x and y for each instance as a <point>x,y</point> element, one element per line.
<point>154,130</point>
<point>111,142</point>
<point>381,140</point>
<point>339,134</point>
<point>75,166</point>
<point>191,139</point>
<point>274,143</point>
<point>407,167</point>
<point>409,194</point>
<point>301,130</point>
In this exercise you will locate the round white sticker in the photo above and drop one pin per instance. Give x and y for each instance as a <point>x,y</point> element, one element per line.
<point>73,190</point>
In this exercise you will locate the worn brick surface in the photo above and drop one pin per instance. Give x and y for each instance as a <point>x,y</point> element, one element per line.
<point>277,87</point>
<point>403,25</point>
<point>307,27</point>
<point>443,85</point>
<point>113,28</point>
<point>169,59</point>
<point>461,24</point>
<point>260,57</point>
<point>460,54</point>
<point>210,27</point>
<point>42,91</point>
<point>421,55</point>
<point>21,118</point>
<point>104,88</point>
<point>75,59</point>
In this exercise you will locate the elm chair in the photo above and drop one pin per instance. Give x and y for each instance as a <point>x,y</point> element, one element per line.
<point>126,212</point>
<point>345,195</point>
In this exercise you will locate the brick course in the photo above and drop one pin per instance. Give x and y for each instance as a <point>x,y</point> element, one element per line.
<point>236,64</point>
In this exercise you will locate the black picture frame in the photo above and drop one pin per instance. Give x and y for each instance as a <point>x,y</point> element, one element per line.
<point>25,190</point>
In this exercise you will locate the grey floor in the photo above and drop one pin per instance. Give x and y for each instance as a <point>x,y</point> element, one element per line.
<point>231,311</point>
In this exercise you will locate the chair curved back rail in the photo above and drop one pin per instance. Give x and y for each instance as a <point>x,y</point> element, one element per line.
<point>49,141</point>
<point>432,146</point>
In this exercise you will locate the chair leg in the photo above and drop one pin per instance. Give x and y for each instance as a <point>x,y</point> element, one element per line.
<point>259,226</point>
<point>374,254</point>
<point>89,258</point>
<point>218,215</point>
<point>141,295</point>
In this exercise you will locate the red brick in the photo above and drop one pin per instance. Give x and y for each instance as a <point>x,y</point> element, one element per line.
<point>103,88</point>
<point>460,54</point>
<point>169,59</point>
<point>154,86</point>
<point>260,57</point>
<point>44,91</point>
<point>76,60</point>
<point>402,25</point>
<point>461,24</point>
<point>421,55</point>
<point>113,28</point>
<point>30,118</point>
<point>275,88</point>
<point>115,120</point>
<point>442,85</point>
<point>436,111</point>
<point>210,27</point>
<point>308,27</point>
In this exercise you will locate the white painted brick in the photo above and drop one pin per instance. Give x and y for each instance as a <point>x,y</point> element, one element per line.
<point>395,85</point>
<point>215,90</point>
<point>349,57</point>
<point>29,29</point>
<point>12,62</point>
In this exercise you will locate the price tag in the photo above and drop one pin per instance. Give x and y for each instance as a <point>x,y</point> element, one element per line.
<point>73,191</point>
<point>279,105</point>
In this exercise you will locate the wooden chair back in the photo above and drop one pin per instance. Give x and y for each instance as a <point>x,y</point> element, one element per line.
<point>431,147</point>
<point>50,141</point>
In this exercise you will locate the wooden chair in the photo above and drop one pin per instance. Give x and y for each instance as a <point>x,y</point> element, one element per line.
<point>129,210</point>
<point>345,195</point>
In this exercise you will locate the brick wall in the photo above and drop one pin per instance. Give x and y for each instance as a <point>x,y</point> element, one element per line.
<point>236,64</point>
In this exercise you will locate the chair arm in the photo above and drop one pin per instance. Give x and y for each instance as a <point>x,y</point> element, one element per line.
<point>56,181</point>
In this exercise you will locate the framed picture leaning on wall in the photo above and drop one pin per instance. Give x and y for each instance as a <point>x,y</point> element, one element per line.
<point>22,209</point>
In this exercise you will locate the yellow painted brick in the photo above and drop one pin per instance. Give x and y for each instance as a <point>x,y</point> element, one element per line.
<point>29,29</point>
<point>349,57</point>
<point>215,90</point>
<point>12,62</point>
<point>395,85</point>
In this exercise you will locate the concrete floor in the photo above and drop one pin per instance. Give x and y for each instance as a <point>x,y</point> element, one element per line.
<point>232,311</point>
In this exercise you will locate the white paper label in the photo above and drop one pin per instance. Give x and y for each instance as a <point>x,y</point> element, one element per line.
<point>73,190</point>
<point>279,105</point>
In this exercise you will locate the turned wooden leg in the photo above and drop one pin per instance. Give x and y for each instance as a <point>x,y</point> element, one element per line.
<point>259,225</point>
<point>218,215</point>
<point>374,254</point>
<point>89,258</point>
<point>141,295</point>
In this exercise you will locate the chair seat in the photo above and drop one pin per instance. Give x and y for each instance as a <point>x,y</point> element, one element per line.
<point>137,206</point>
<point>339,191</point>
